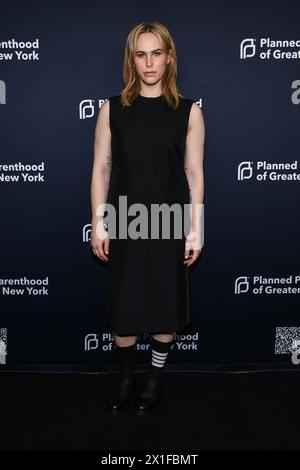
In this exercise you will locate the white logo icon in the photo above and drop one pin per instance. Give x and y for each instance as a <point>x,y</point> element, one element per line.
<point>245,171</point>
<point>86,106</point>
<point>247,48</point>
<point>91,342</point>
<point>86,232</point>
<point>241,285</point>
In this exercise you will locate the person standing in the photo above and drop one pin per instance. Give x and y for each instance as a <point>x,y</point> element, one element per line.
<point>149,147</point>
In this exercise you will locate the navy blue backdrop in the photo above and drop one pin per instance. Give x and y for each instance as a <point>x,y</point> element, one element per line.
<point>59,61</point>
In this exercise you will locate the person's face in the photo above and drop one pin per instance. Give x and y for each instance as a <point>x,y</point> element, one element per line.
<point>150,57</point>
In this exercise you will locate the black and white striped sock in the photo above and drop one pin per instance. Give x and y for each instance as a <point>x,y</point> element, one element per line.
<point>160,351</point>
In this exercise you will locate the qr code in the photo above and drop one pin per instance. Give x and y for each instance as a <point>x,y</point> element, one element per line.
<point>287,339</point>
<point>3,345</point>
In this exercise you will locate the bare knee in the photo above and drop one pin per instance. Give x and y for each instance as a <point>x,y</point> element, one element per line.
<point>164,337</point>
<point>124,340</point>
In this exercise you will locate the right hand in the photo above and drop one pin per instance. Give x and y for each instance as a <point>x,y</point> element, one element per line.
<point>100,241</point>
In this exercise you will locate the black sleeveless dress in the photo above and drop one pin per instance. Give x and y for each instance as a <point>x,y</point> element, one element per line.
<point>147,282</point>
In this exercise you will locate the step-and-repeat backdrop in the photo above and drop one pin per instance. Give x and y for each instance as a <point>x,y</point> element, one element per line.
<point>59,62</point>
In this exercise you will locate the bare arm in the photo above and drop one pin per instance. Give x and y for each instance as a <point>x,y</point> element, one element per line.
<point>194,158</point>
<point>100,175</point>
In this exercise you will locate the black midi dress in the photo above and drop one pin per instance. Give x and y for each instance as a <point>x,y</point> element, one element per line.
<point>147,281</point>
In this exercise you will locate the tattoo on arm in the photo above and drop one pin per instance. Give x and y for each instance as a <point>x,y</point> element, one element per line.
<point>108,160</point>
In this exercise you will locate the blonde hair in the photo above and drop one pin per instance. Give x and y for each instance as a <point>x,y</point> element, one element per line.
<point>131,90</point>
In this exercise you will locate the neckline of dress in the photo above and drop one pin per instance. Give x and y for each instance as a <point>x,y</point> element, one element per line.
<point>151,97</point>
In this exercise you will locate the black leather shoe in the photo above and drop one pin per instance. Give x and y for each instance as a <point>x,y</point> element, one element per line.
<point>148,395</point>
<point>121,393</point>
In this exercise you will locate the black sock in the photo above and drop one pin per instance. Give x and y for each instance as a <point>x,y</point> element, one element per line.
<point>160,352</point>
<point>125,356</point>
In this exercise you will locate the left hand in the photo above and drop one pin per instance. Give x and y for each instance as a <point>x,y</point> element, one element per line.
<point>191,245</point>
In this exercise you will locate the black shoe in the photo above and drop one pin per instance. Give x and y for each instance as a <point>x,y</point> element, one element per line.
<point>121,393</point>
<point>148,395</point>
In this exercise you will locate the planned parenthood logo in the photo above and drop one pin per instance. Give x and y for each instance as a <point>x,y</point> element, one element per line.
<point>86,232</point>
<point>266,48</point>
<point>91,341</point>
<point>264,171</point>
<point>247,48</point>
<point>104,342</point>
<point>21,172</point>
<point>259,285</point>
<point>87,108</point>
<point>21,51</point>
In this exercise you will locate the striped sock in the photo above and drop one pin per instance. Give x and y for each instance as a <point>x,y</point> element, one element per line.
<point>160,351</point>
